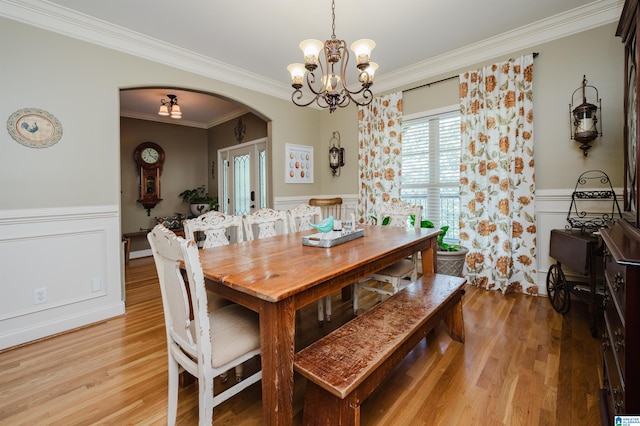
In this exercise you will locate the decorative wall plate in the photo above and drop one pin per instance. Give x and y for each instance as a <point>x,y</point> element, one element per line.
<point>34,128</point>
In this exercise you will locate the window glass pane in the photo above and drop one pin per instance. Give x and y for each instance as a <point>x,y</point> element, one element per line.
<point>263,177</point>
<point>242,184</point>
<point>224,201</point>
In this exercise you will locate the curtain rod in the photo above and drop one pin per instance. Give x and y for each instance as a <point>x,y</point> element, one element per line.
<point>535,54</point>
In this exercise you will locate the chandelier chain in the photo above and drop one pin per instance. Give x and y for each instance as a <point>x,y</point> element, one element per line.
<point>333,19</point>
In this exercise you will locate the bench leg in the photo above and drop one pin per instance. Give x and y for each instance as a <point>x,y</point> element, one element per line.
<point>322,408</point>
<point>454,321</point>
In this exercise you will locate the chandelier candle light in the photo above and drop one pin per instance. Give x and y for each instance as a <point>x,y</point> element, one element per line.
<point>331,91</point>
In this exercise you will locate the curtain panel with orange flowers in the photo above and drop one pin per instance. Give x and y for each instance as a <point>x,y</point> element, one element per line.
<point>497,189</point>
<point>379,154</point>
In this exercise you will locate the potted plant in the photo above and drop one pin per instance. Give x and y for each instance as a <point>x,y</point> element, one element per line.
<point>450,257</point>
<point>199,199</point>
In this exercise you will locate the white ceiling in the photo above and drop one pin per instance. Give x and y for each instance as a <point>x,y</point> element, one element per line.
<point>250,43</point>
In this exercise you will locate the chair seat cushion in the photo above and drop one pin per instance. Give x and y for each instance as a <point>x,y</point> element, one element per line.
<point>398,270</point>
<point>235,331</point>
<point>215,302</point>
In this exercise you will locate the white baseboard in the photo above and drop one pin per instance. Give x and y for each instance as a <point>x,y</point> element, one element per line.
<point>59,325</point>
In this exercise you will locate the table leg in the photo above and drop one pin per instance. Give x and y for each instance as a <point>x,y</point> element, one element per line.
<point>346,292</point>
<point>429,258</point>
<point>127,249</point>
<point>277,333</point>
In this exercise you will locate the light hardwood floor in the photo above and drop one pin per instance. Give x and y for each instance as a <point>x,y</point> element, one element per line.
<point>522,364</point>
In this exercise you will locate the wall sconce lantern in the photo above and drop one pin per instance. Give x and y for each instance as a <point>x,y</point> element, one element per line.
<point>585,117</point>
<point>336,154</point>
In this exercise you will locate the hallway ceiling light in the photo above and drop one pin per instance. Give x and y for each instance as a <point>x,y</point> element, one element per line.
<point>330,90</point>
<point>170,107</point>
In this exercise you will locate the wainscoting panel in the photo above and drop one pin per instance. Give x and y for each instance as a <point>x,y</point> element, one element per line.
<point>282,203</point>
<point>552,207</point>
<point>349,201</point>
<point>59,269</point>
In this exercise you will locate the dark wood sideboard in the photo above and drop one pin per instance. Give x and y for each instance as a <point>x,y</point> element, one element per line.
<point>621,335</point>
<point>621,338</point>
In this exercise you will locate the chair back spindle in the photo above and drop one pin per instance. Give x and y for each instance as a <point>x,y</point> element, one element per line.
<point>329,206</point>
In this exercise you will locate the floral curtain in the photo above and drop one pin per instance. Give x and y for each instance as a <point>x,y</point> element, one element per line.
<point>379,153</point>
<point>497,189</point>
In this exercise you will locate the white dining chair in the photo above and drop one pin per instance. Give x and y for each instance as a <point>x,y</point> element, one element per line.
<point>399,213</point>
<point>268,222</point>
<point>300,218</point>
<point>219,229</point>
<point>209,344</point>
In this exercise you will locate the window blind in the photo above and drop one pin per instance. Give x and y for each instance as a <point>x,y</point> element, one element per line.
<point>431,167</point>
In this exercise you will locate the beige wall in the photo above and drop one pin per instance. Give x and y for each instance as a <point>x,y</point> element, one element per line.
<point>557,72</point>
<point>344,121</point>
<point>79,83</point>
<point>62,205</point>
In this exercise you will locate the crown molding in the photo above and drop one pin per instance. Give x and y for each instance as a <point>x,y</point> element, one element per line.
<point>592,15</point>
<point>227,117</point>
<point>158,119</point>
<point>45,15</point>
<point>64,21</point>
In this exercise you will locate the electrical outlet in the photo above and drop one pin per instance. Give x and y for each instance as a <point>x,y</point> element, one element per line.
<point>40,295</point>
<point>96,284</point>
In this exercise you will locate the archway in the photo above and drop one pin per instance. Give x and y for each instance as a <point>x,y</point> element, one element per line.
<point>209,122</point>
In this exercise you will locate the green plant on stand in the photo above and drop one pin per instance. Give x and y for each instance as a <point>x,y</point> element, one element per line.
<point>199,199</point>
<point>385,221</point>
<point>442,245</point>
<point>450,257</point>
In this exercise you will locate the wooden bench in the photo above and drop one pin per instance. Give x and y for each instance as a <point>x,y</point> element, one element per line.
<point>343,368</point>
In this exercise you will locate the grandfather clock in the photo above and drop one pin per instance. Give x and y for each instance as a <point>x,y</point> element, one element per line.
<point>150,159</point>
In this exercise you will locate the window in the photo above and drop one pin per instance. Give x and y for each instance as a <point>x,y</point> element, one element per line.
<point>431,167</point>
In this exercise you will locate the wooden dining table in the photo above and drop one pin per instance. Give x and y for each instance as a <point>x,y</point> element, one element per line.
<point>278,275</point>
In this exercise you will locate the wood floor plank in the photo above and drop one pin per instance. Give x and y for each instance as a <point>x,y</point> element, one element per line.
<point>522,364</point>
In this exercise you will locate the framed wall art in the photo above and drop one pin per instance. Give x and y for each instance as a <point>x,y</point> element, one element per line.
<point>34,128</point>
<point>298,163</point>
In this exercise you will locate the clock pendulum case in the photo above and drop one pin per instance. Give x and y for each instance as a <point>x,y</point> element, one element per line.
<point>150,159</point>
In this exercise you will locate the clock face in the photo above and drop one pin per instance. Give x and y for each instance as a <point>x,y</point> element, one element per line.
<point>149,155</point>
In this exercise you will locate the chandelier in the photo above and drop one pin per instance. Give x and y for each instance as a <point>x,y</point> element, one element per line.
<point>330,90</point>
<point>170,107</point>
